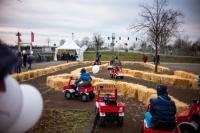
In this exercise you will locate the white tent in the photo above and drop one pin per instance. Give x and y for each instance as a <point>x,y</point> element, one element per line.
<point>69,45</point>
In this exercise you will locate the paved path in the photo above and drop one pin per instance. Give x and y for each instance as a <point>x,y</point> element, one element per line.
<point>189,67</point>
<point>43,65</point>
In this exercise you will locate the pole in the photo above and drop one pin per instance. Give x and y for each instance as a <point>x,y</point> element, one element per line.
<point>72,36</point>
<point>31,48</point>
<point>18,41</point>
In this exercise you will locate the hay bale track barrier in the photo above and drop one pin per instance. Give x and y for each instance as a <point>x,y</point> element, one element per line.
<point>142,93</point>
<point>39,72</point>
<point>179,79</point>
<point>161,69</point>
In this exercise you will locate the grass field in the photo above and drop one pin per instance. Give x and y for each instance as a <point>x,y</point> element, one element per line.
<point>125,56</point>
<point>60,120</point>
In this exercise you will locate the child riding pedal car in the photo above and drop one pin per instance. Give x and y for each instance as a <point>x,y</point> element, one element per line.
<point>162,111</point>
<point>85,78</point>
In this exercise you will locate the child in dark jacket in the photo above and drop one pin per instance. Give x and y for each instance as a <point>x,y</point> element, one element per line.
<point>162,109</point>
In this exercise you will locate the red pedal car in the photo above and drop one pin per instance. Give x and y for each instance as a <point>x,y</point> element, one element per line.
<point>186,122</point>
<point>85,93</point>
<point>189,121</point>
<point>110,66</point>
<point>96,62</point>
<point>107,108</point>
<point>116,72</point>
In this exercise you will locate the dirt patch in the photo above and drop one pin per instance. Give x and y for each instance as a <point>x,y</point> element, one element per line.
<point>52,120</point>
<point>65,121</point>
<point>137,67</point>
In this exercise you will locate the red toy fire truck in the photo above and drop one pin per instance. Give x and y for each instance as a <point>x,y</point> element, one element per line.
<point>107,108</point>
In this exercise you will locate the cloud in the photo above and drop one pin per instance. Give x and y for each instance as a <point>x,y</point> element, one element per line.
<point>59,18</point>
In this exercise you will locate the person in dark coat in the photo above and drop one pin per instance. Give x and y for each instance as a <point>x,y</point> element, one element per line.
<point>162,110</point>
<point>24,59</point>
<point>19,63</point>
<point>67,56</point>
<point>7,61</point>
<point>30,60</point>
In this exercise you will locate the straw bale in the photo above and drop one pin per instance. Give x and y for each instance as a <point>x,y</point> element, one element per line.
<point>26,75</point>
<point>182,83</point>
<point>181,106</point>
<point>146,76</point>
<point>59,83</point>
<point>138,74</point>
<point>156,78</point>
<point>32,74</point>
<point>186,75</point>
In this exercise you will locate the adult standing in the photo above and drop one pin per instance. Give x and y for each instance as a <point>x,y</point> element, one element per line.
<point>30,60</point>
<point>19,63</point>
<point>67,56</point>
<point>145,58</point>
<point>24,59</point>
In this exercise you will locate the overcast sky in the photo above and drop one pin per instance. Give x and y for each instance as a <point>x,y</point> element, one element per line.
<point>57,19</point>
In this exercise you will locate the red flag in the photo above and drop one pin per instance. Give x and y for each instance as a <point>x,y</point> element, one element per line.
<point>32,37</point>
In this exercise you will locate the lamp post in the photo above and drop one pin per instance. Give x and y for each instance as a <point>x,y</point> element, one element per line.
<point>18,41</point>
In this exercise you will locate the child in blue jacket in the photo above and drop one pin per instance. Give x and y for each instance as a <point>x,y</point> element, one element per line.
<point>162,109</point>
<point>85,78</point>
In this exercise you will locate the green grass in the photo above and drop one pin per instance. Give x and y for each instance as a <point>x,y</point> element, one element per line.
<point>124,56</point>
<point>60,120</point>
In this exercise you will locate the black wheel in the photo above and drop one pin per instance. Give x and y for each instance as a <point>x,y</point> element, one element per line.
<point>91,95</point>
<point>102,121</point>
<point>185,128</point>
<point>120,121</point>
<point>84,98</point>
<point>111,75</point>
<point>68,95</point>
<point>97,112</point>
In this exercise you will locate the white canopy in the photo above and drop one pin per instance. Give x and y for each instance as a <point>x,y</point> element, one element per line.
<point>69,45</point>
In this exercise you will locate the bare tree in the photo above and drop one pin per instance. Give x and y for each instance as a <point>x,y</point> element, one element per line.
<point>97,42</point>
<point>159,23</point>
<point>62,41</point>
<point>78,42</point>
<point>86,41</point>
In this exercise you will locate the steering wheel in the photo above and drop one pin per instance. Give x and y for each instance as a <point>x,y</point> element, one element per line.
<point>107,97</point>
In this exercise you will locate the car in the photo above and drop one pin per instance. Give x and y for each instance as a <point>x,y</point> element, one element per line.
<point>84,93</point>
<point>116,72</point>
<point>107,108</point>
<point>187,121</point>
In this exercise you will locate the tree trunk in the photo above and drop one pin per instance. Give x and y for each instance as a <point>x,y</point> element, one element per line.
<point>156,55</point>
